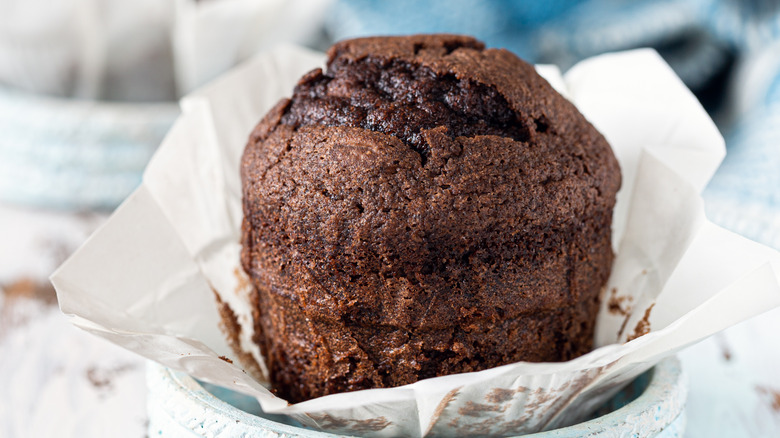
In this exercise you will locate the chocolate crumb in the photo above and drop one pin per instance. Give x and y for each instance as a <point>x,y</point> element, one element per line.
<point>370,425</point>
<point>31,289</point>
<point>499,395</point>
<point>226,359</point>
<point>329,421</point>
<point>97,379</point>
<point>102,378</point>
<point>617,304</point>
<point>471,409</point>
<point>643,326</point>
<point>724,347</point>
<point>21,300</point>
<point>774,395</point>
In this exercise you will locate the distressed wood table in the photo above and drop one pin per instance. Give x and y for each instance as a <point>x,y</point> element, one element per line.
<point>56,381</point>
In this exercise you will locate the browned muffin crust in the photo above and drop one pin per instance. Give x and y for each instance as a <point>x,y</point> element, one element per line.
<point>424,207</point>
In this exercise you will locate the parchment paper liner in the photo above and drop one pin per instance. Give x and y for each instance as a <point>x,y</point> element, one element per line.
<point>146,280</point>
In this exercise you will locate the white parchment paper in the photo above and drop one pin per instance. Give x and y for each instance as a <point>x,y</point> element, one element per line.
<point>147,279</point>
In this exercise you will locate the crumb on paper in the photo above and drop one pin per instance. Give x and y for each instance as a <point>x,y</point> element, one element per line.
<point>618,305</point>
<point>472,409</point>
<point>541,398</point>
<point>369,425</point>
<point>226,359</point>
<point>500,395</point>
<point>482,428</point>
<point>774,395</point>
<point>447,399</point>
<point>643,326</point>
<point>477,419</point>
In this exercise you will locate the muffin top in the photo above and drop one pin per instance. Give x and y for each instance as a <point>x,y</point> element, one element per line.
<point>421,164</point>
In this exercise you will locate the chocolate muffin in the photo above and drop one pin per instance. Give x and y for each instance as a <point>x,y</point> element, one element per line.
<point>424,207</point>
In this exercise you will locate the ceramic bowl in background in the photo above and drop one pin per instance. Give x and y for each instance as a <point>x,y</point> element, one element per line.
<point>76,154</point>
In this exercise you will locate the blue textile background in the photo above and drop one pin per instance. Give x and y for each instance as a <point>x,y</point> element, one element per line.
<point>726,51</point>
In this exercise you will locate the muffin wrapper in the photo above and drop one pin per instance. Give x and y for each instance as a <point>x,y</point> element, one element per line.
<point>147,279</point>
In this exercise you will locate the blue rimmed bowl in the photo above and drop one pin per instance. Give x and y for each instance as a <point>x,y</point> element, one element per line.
<point>653,405</point>
<point>76,154</point>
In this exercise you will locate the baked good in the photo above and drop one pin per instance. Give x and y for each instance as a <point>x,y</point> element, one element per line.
<point>425,207</point>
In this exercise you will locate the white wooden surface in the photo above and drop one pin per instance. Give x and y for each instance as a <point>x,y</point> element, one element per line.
<point>56,381</point>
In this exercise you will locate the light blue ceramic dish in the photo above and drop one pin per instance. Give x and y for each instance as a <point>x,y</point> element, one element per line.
<point>68,153</point>
<point>180,406</point>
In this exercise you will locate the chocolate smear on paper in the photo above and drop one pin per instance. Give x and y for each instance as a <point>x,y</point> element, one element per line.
<point>441,406</point>
<point>643,326</point>
<point>499,395</point>
<point>327,421</point>
<point>472,409</point>
<point>243,285</point>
